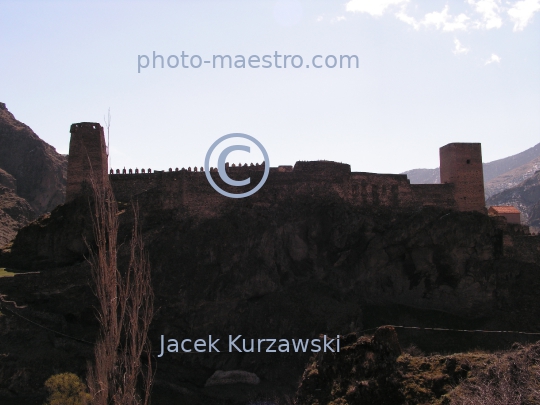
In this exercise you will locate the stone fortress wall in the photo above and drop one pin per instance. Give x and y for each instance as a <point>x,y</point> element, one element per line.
<point>461,171</point>
<point>461,164</point>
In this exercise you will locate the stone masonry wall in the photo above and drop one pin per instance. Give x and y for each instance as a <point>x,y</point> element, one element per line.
<point>438,195</point>
<point>191,191</point>
<point>461,165</point>
<point>461,170</point>
<point>87,157</point>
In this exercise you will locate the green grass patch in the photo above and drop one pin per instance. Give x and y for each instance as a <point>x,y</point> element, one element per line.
<point>5,273</point>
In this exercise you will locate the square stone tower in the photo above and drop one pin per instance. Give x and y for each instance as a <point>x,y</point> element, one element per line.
<point>87,157</point>
<point>461,165</point>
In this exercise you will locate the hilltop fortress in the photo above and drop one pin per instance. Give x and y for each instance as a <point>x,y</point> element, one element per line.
<point>461,170</point>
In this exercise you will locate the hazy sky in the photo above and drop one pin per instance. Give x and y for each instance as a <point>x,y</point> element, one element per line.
<point>430,73</point>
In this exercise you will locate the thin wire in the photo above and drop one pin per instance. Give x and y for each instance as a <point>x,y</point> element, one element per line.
<point>361,332</point>
<point>452,330</point>
<point>3,307</point>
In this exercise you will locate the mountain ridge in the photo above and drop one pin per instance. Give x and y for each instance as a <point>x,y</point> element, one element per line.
<point>499,174</point>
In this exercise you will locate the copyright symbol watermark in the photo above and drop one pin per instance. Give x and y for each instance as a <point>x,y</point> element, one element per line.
<point>221,165</point>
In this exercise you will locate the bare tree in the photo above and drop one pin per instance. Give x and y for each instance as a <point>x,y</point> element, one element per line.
<point>125,308</point>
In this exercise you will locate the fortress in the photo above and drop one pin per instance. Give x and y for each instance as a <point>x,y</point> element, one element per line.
<point>188,190</point>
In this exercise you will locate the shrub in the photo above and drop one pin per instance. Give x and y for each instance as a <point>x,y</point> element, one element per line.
<point>512,378</point>
<point>66,389</point>
<point>413,350</point>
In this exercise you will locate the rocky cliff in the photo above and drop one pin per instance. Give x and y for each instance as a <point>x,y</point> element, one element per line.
<point>294,269</point>
<point>32,171</point>
<point>15,212</point>
<point>39,170</point>
<point>365,371</point>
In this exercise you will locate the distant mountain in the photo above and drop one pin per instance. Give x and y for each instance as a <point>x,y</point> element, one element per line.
<point>525,196</point>
<point>423,176</point>
<point>498,175</point>
<point>512,178</point>
<point>32,175</point>
<point>498,167</point>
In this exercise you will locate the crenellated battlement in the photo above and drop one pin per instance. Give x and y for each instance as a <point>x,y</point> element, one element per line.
<point>230,168</point>
<point>188,188</point>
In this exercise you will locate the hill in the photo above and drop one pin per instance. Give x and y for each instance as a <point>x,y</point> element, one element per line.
<point>32,174</point>
<point>512,178</point>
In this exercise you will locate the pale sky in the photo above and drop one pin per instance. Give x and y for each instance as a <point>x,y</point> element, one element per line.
<point>430,73</point>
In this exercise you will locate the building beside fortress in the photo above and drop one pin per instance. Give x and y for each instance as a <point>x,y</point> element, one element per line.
<point>461,170</point>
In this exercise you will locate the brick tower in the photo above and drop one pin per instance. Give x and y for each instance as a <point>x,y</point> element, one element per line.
<point>461,165</point>
<point>87,155</point>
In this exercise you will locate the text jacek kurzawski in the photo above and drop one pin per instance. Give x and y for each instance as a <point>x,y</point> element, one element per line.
<point>243,345</point>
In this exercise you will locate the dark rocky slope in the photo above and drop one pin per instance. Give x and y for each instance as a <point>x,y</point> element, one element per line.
<point>39,170</point>
<point>296,268</point>
<point>364,372</point>
<point>15,212</point>
<point>374,370</point>
<point>7,180</point>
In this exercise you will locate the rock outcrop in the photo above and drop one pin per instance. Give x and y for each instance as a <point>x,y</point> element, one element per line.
<point>221,377</point>
<point>15,212</point>
<point>39,170</point>
<point>369,371</point>
<point>8,181</point>
<point>32,176</point>
<point>364,372</point>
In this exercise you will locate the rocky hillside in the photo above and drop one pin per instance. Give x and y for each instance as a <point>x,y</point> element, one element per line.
<point>498,175</point>
<point>32,173</point>
<point>284,269</point>
<point>15,212</point>
<point>525,196</point>
<point>512,178</point>
<point>375,370</point>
